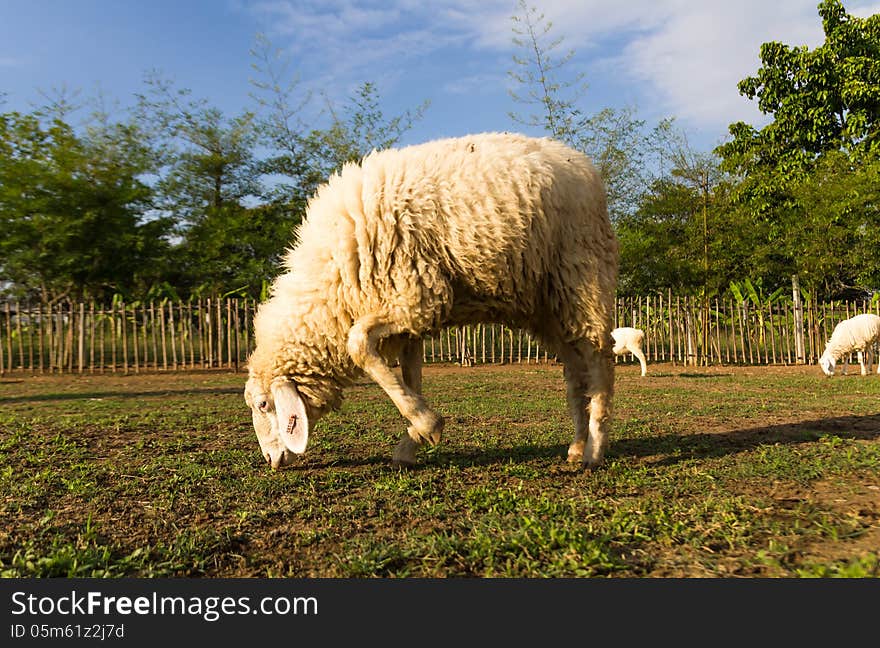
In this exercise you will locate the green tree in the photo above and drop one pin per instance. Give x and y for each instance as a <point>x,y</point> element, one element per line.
<point>825,103</point>
<point>614,138</point>
<point>303,157</point>
<point>72,208</point>
<point>536,76</point>
<point>210,183</point>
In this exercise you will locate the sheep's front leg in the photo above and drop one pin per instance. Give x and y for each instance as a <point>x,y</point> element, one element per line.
<point>862,367</point>
<point>425,424</point>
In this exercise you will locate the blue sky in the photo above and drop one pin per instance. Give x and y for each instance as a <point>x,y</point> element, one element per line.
<point>666,58</point>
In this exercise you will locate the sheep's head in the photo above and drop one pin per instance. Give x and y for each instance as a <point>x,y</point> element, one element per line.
<point>281,419</point>
<point>826,362</point>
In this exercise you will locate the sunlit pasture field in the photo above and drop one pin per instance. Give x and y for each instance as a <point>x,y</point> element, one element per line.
<point>711,472</point>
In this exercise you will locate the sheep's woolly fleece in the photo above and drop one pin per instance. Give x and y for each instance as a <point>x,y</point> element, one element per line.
<point>630,339</point>
<point>484,228</point>
<point>447,232</point>
<point>854,334</point>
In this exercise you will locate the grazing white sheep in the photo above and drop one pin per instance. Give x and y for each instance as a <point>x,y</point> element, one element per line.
<point>629,340</point>
<point>484,228</point>
<point>858,333</point>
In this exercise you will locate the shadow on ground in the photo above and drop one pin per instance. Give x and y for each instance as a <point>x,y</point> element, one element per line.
<point>668,449</point>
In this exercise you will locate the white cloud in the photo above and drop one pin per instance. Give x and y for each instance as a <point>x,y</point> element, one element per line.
<point>475,84</point>
<point>684,58</point>
<point>866,11</point>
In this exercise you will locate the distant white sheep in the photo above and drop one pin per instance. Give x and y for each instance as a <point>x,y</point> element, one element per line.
<point>484,228</point>
<point>859,333</point>
<point>630,340</point>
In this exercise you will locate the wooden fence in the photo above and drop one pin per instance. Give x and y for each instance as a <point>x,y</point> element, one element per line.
<point>216,334</point>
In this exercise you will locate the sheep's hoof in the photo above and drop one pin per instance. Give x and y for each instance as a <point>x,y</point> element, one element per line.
<point>576,452</point>
<point>427,431</point>
<point>590,466</point>
<point>405,453</point>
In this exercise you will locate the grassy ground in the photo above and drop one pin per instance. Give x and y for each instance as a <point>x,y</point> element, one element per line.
<point>711,472</point>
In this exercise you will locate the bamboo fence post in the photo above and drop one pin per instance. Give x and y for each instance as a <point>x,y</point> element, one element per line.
<point>740,316</point>
<point>50,333</point>
<point>9,337</point>
<point>492,347</point>
<point>40,334</point>
<point>162,334</point>
<point>789,316</point>
<point>92,336</point>
<point>50,337</point>
<point>247,326</point>
<point>501,336</point>
<point>765,333</point>
<point>219,310</point>
<point>449,357</point>
<point>62,340</point>
<point>825,321</point>
<point>729,336</point>
<point>748,322</point>
<point>475,337</point>
<point>59,340</point>
<point>144,329</point>
<point>229,334</point>
<point>661,327</point>
<point>191,334</point>
<point>134,337</point>
<point>82,336</point>
<point>19,335</point>
<point>678,325</point>
<point>797,308</point>
<point>2,361</point>
<point>68,350</point>
<point>772,332</point>
<point>510,349</point>
<point>30,335</point>
<point>124,336</point>
<point>209,349</point>
<point>113,335</point>
<point>101,322</point>
<point>692,349</point>
<point>237,343</point>
<point>38,328</point>
<point>671,333</point>
<point>814,331</point>
<point>660,347</point>
<point>171,325</point>
<point>58,322</point>
<point>153,336</point>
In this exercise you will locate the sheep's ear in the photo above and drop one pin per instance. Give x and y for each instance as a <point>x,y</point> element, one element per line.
<point>290,410</point>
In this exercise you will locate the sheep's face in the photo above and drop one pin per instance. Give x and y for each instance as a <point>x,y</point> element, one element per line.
<point>281,420</point>
<point>827,363</point>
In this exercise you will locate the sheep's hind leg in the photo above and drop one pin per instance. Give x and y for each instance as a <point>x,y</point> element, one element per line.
<point>641,356</point>
<point>589,379</point>
<point>411,369</point>
<point>425,424</point>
